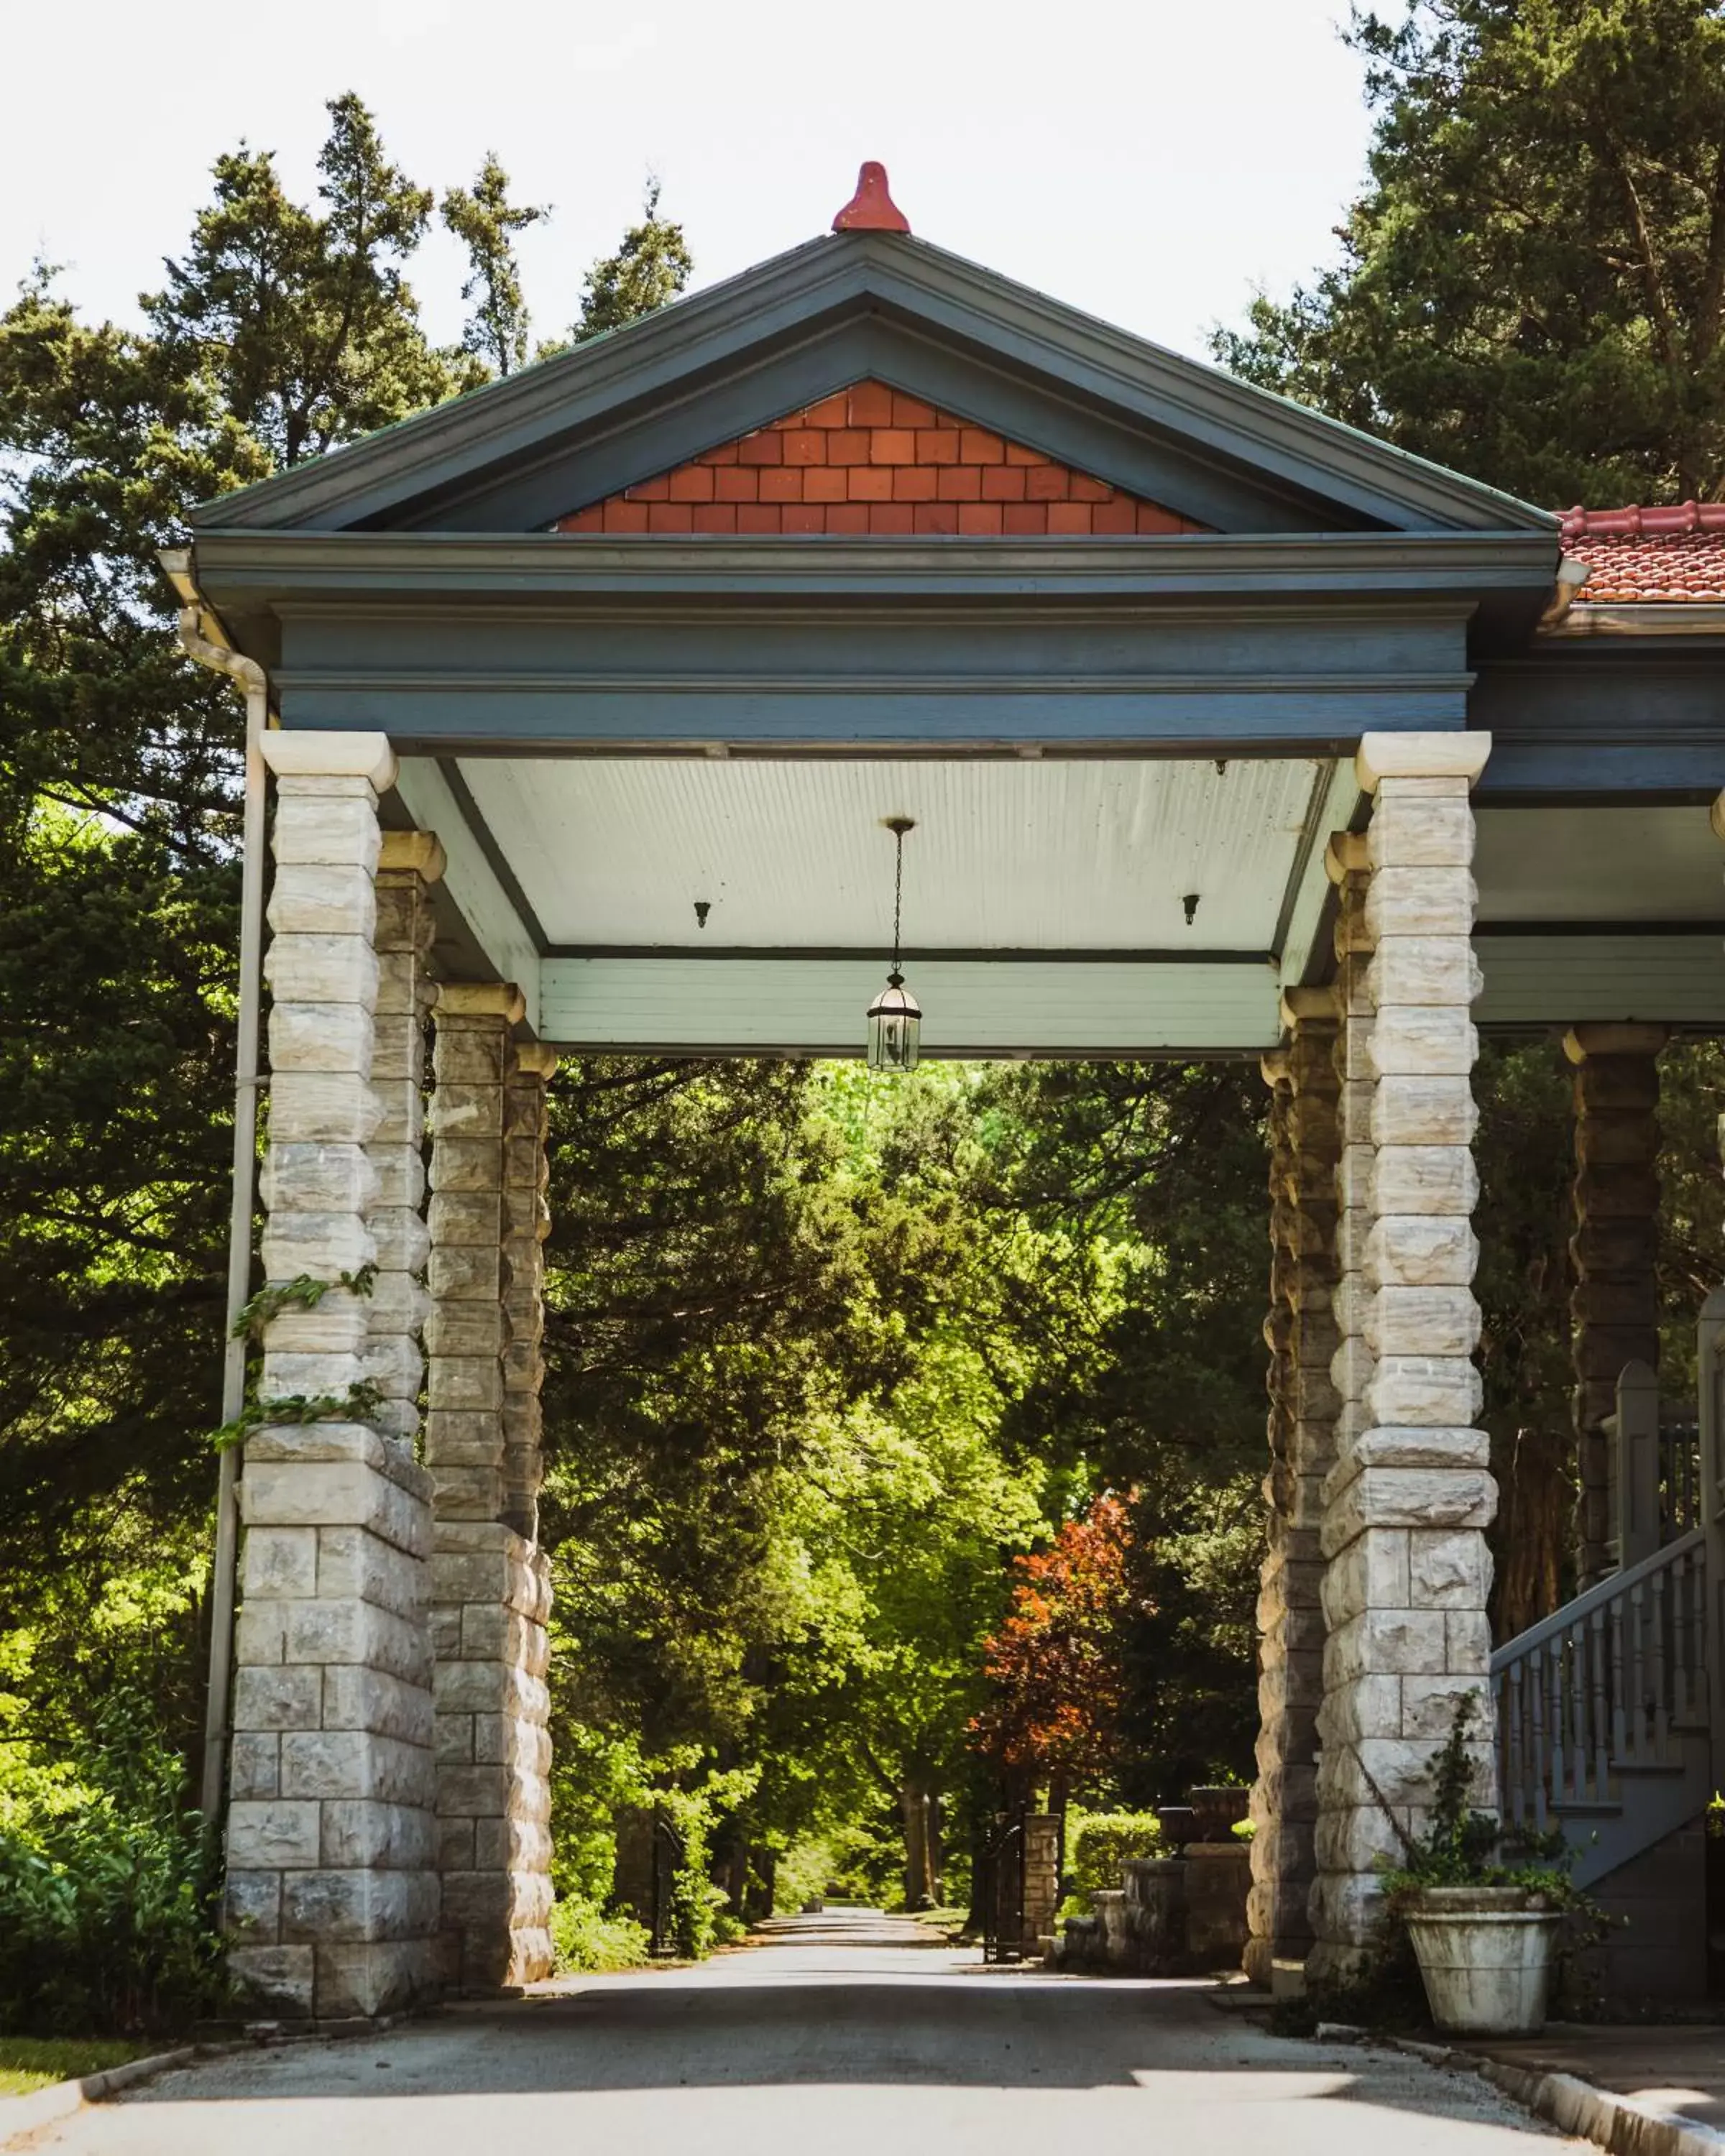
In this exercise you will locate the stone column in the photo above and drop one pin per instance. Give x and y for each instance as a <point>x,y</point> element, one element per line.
<point>526,1223</point>
<point>409,864</point>
<point>332,1893</point>
<point>1615,1308</point>
<point>1407,1502</point>
<point>1302,1333</point>
<point>491,1592</point>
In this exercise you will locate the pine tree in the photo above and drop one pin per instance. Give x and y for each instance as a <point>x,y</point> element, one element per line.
<point>486,222</point>
<point>649,270</point>
<point>1533,287</point>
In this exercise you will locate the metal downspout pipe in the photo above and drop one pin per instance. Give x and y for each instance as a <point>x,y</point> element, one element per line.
<point>223,1579</point>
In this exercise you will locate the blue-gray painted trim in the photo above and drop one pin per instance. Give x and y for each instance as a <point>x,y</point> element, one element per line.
<point>486,840</point>
<point>683,349</point>
<point>912,955</point>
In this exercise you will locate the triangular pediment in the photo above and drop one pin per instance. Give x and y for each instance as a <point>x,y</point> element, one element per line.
<point>870,461</point>
<point>859,308</point>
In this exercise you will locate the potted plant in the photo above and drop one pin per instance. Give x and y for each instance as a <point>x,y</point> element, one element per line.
<point>1482,1906</point>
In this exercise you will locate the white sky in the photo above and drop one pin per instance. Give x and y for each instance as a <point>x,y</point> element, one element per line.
<point>1151,162</point>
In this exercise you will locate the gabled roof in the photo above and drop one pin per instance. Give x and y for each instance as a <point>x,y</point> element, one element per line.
<point>847,307</point>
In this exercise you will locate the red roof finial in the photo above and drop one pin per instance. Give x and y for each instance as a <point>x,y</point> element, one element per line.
<point>871,209</point>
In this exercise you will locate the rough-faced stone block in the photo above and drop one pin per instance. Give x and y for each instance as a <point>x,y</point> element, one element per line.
<point>1422,1250</point>
<point>355,1763</point>
<point>278,1697</point>
<point>1421,1390</point>
<point>322,970</point>
<point>1435,1179</point>
<point>320,899</point>
<point>1448,1569</point>
<point>1423,1321</point>
<point>1410,832</point>
<point>355,1698</point>
<point>254,1767</point>
<point>312,1105</point>
<point>281,1561</point>
<point>326,831</point>
<point>1422,969</point>
<point>362,1833</point>
<point>273,1979</point>
<point>1420,902</point>
<point>271,1836</point>
<point>378,1977</point>
<point>1410,1497</point>
<point>1434,1041</point>
<point>332,1038</point>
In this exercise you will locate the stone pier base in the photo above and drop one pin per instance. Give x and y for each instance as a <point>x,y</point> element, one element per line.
<point>491,1596</point>
<point>332,1897</point>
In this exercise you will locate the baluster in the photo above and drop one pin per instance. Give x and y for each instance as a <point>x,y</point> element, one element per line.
<point>1579,1746</point>
<point>1554,1716</point>
<point>1620,1682</point>
<point>1681,1646</point>
<point>1536,1696</point>
<point>1655,1674</point>
<point>1638,1674</point>
<point>1513,1763</point>
<point>1596,1627</point>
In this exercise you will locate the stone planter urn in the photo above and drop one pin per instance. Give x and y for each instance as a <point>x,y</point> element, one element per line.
<point>1485,1958</point>
<point>1217,1808</point>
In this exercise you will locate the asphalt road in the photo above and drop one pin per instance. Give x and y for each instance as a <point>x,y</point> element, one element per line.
<point>843,2034</point>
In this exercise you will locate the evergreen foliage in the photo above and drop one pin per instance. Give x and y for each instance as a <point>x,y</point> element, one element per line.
<point>1532,287</point>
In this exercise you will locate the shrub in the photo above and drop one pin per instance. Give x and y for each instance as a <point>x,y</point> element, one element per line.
<point>107,1894</point>
<point>586,1938</point>
<point>1099,1843</point>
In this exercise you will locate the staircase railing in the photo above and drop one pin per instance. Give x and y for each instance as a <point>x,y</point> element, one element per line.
<point>1602,1682</point>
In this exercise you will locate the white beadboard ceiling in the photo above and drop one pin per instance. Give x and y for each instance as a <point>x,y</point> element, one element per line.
<point>1012,856</point>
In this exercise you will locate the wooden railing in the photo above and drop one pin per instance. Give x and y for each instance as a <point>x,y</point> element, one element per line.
<point>1656,1467</point>
<point>1602,1682</point>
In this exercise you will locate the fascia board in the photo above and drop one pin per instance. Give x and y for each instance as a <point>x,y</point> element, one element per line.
<point>670,354</point>
<point>247,571</point>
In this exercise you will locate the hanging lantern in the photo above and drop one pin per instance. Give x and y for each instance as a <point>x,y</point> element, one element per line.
<point>895,1016</point>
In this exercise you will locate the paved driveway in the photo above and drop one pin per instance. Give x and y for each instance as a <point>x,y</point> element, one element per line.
<point>845,2035</point>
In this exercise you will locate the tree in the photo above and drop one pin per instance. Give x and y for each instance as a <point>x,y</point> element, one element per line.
<point>649,270</point>
<point>303,323</point>
<point>1532,289</point>
<point>486,222</point>
<point>1054,1667</point>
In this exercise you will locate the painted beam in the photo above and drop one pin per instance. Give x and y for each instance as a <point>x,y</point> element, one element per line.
<point>1567,980</point>
<point>471,881</point>
<point>792,1006</point>
<point>1337,796</point>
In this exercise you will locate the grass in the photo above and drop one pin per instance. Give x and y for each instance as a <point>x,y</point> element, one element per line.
<point>34,2062</point>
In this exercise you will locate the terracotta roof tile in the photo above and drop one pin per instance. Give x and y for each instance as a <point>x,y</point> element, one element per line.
<point>1643,557</point>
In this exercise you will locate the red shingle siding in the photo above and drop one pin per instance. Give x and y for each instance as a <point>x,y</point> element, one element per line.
<point>869,461</point>
<point>1650,557</point>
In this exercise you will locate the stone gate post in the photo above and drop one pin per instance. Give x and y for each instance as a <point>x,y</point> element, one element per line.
<point>491,1590</point>
<point>1410,1495</point>
<point>1301,1333</point>
<point>332,1889</point>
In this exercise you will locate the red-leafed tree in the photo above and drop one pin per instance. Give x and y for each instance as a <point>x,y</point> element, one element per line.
<point>1054,1666</point>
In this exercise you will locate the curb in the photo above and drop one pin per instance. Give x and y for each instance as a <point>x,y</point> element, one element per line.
<point>23,2114</point>
<point>20,2115</point>
<point>1614,2123</point>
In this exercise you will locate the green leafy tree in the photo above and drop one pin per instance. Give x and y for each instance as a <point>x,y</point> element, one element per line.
<point>486,222</point>
<point>1532,288</point>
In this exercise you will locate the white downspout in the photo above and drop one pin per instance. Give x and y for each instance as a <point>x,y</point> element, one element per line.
<point>223,1581</point>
